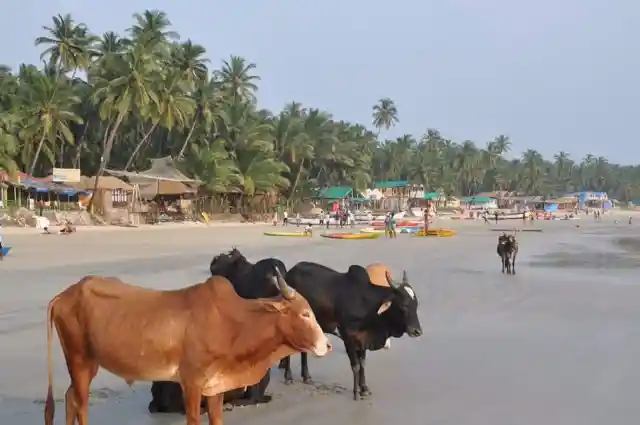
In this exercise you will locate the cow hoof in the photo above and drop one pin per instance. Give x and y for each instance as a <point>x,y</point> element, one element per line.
<point>288,380</point>
<point>266,398</point>
<point>364,392</point>
<point>227,407</point>
<point>307,380</point>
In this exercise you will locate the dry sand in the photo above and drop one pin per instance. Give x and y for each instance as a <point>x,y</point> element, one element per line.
<point>557,344</point>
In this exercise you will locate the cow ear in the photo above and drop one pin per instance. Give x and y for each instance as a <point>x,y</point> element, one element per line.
<point>273,306</point>
<point>384,307</point>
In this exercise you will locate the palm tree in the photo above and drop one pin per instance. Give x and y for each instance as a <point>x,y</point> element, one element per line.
<point>207,99</point>
<point>47,112</point>
<point>385,114</point>
<point>118,96</point>
<point>8,143</point>
<point>67,44</point>
<point>152,29</point>
<point>173,108</point>
<point>237,78</point>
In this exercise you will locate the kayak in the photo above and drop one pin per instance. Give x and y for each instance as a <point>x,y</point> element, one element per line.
<point>351,235</point>
<point>401,223</point>
<point>5,250</point>
<point>436,232</point>
<point>293,234</point>
<point>371,230</point>
<point>410,229</point>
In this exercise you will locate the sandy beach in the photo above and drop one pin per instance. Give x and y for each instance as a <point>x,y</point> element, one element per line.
<point>557,344</point>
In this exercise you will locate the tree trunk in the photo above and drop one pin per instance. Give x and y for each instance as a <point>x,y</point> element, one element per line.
<point>106,154</point>
<point>142,142</point>
<point>37,154</point>
<point>79,146</point>
<point>186,141</point>
<point>295,181</point>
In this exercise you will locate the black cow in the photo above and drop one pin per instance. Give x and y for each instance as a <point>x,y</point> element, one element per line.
<point>507,251</point>
<point>167,397</point>
<point>250,281</point>
<point>363,315</point>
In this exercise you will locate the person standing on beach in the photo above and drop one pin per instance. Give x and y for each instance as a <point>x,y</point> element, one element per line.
<point>392,225</point>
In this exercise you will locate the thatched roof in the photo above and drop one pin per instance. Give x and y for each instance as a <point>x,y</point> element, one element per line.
<point>150,190</point>
<point>104,183</point>
<point>161,169</point>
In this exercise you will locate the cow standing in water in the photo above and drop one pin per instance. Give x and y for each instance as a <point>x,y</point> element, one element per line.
<point>251,281</point>
<point>204,336</point>
<point>507,251</point>
<point>363,314</point>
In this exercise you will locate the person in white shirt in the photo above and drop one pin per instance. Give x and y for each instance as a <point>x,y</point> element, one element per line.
<point>285,218</point>
<point>308,230</point>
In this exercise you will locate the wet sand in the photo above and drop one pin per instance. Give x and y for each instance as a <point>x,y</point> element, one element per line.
<point>557,344</point>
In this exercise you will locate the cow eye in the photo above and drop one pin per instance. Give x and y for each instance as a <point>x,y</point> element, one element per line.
<point>306,314</point>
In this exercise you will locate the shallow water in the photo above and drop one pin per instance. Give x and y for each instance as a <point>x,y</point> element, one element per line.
<point>557,344</point>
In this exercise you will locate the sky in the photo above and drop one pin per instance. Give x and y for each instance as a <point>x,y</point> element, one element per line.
<point>551,74</point>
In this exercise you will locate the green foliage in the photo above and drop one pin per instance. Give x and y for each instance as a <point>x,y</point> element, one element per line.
<point>146,94</point>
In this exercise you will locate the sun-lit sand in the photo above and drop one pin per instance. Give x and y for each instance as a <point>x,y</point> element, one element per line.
<point>555,344</point>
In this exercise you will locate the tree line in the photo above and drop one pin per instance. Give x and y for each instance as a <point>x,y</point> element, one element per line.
<point>116,100</point>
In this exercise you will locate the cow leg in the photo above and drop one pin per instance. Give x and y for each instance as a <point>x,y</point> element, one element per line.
<point>352,352</point>
<point>286,365</point>
<point>77,395</point>
<point>192,395</point>
<point>304,365</point>
<point>255,394</point>
<point>364,390</point>
<point>513,263</point>
<point>214,409</point>
<point>503,260</point>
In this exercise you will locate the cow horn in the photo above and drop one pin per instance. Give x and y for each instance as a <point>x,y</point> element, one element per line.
<point>405,279</point>
<point>287,292</point>
<point>390,281</point>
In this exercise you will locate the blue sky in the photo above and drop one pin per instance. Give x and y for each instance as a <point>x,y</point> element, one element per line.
<point>552,75</point>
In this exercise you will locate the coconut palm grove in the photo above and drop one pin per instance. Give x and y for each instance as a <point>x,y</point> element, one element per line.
<point>115,100</point>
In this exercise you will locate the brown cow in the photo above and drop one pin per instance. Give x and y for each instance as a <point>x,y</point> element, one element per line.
<point>204,336</point>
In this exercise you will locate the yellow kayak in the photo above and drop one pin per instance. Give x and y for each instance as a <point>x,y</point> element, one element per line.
<point>293,234</point>
<point>352,235</point>
<point>372,230</point>
<point>436,232</point>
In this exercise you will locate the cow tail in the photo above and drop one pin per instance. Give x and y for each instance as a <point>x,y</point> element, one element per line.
<point>49,405</point>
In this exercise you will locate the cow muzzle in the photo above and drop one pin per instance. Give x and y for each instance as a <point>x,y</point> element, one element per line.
<point>414,332</point>
<point>322,346</point>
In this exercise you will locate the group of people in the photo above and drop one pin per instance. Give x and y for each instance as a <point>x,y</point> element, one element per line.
<point>342,216</point>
